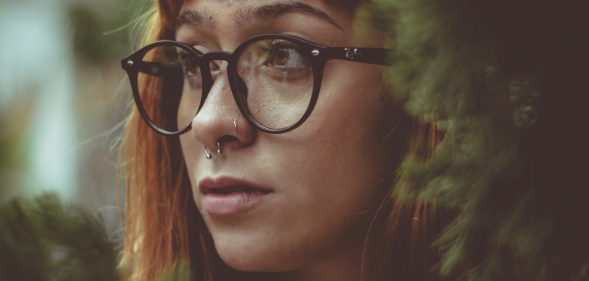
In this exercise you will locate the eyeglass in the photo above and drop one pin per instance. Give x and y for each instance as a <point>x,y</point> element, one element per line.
<point>275,80</point>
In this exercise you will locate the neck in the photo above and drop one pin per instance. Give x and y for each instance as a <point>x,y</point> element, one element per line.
<point>342,265</point>
<point>335,270</point>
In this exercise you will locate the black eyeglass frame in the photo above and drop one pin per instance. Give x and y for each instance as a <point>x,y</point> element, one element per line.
<point>319,55</point>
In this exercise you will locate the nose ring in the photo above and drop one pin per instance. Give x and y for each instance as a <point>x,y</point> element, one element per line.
<point>207,154</point>
<point>219,146</point>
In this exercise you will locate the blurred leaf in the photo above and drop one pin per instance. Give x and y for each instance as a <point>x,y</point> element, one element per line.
<point>43,240</point>
<point>98,36</point>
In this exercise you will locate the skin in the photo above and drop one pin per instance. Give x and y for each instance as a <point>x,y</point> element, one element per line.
<point>326,175</point>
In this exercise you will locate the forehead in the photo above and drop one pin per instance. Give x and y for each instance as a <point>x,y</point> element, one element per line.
<point>342,5</point>
<point>210,12</point>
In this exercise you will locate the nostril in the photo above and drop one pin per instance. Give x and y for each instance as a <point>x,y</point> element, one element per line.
<point>227,139</point>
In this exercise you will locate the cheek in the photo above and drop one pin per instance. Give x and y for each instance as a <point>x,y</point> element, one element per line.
<point>348,156</point>
<point>333,172</point>
<point>191,150</point>
<point>350,123</point>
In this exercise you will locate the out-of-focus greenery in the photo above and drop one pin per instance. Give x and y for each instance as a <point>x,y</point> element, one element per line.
<point>101,31</point>
<point>10,145</point>
<point>42,240</point>
<point>506,82</point>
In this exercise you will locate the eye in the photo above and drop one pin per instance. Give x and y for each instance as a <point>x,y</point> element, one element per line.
<point>286,56</point>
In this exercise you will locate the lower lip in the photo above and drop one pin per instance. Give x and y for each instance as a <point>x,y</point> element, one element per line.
<point>231,204</point>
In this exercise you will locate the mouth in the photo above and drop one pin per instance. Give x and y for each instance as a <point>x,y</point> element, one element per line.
<point>226,185</point>
<point>228,196</point>
<point>226,190</point>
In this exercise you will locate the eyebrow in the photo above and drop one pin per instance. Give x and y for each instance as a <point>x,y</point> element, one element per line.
<point>264,12</point>
<point>194,17</point>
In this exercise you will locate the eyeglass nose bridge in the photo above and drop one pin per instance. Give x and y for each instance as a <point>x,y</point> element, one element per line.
<point>235,83</point>
<point>209,59</point>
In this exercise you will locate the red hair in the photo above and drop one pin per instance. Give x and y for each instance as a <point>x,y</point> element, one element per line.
<point>164,228</point>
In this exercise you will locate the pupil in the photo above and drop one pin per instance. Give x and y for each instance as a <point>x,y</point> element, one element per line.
<point>280,55</point>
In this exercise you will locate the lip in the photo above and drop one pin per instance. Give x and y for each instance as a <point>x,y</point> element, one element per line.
<point>225,196</point>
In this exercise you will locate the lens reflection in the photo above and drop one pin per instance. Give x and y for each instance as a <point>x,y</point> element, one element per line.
<point>279,80</point>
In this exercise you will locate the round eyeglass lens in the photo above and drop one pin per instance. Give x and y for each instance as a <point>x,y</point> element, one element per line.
<point>170,86</point>
<point>278,76</point>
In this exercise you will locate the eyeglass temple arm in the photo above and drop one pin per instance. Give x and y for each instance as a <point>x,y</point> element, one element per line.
<point>365,55</point>
<point>158,69</point>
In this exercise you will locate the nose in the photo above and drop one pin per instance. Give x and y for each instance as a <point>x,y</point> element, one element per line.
<point>219,119</point>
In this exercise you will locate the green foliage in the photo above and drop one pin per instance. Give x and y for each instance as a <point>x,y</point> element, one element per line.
<point>501,79</point>
<point>178,272</point>
<point>40,239</point>
<point>43,240</point>
<point>9,148</point>
<point>100,32</point>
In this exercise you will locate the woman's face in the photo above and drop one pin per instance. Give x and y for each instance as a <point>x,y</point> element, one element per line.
<point>284,202</point>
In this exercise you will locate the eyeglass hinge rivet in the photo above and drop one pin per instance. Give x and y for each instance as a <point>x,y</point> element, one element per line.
<point>129,63</point>
<point>352,53</point>
<point>315,52</point>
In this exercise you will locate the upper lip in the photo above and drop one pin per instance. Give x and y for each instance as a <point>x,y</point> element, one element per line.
<point>206,185</point>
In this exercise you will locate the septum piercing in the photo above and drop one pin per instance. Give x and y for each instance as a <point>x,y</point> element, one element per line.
<point>207,154</point>
<point>219,145</point>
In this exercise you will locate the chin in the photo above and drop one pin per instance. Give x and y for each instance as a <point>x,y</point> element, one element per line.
<point>254,258</point>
